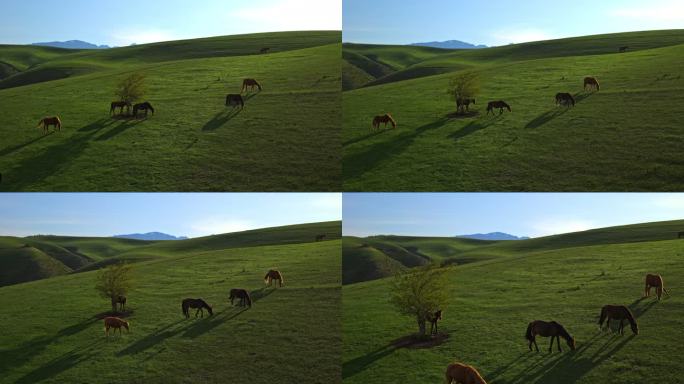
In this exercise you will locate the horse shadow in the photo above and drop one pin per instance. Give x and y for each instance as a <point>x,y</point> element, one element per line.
<point>364,137</point>
<point>261,293</point>
<point>198,328</point>
<point>152,339</point>
<point>360,364</point>
<point>60,364</point>
<point>546,117</point>
<point>220,119</point>
<point>123,126</point>
<point>471,128</point>
<point>639,310</point>
<point>14,148</point>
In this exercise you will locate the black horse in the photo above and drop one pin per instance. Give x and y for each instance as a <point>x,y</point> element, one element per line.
<point>264,50</point>
<point>497,104</point>
<point>121,301</point>
<point>462,104</point>
<point>199,304</point>
<point>623,49</point>
<point>146,106</point>
<point>433,318</point>
<point>235,100</point>
<point>242,295</point>
<point>679,235</point>
<point>565,99</point>
<point>320,237</point>
<point>121,105</point>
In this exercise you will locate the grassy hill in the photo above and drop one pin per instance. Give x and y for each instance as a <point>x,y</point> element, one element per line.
<point>287,138</point>
<point>548,279</point>
<point>53,332</point>
<point>623,138</point>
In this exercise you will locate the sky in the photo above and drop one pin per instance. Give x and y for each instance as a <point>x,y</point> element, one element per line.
<point>178,214</point>
<point>520,214</point>
<point>500,22</point>
<point>123,22</point>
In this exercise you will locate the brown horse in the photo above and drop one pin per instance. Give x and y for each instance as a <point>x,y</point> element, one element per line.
<point>592,83</point>
<point>433,318</point>
<point>146,106</point>
<point>242,295</point>
<point>680,235</point>
<point>120,105</point>
<point>48,121</point>
<point>386,118</point>
<point>463,374</point>
<point>623,49</point>
<point>116,323</point>
<point>497,104</point>
<point>657,282</point>
<point>462,104</point>
<point>199,304</point>
<point>274,275</point>
<point>565,99</point>
<point>618,312</point>
<point>250,84</point>
<point>235,101</point>
<point>264,50</point>
<point>548,329</point>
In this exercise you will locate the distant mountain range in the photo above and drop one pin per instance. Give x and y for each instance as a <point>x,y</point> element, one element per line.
<point>450,44</point>
<point>150,236</point>
<point>493,236</point>
<point>72,44</point>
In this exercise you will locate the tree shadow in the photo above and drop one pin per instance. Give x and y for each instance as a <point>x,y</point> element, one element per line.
<point>360,364</point>
<point>14,148</point>
<point>220,119</point>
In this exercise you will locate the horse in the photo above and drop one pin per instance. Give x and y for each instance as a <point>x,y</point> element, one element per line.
<point>264,50</point>
<point>195,303</point>
<point>386,118</point>
<point>433,318</point>
<point>320,237</point>
<point>618,312</point>
<point>497,104</point>
<point>463,103</point>
<point>657,282</point>
<point>46,122</point>
<point>235,100</point>
<point>623,49</point>
<point>116,323</point>
<point>121,300</point>
<point>274,275</point>
<point>592,83</point>
<point>250,83</point>
<point>463,374</point>
<point>546,329</point>
<point>680,235</point>
<point>120,105</point>
<point>146,106</point>
<point>241,294</point>
<point>565,99</point>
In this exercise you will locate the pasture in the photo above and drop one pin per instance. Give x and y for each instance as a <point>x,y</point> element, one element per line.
<point>626,137</point>
<point>53,330</point>
<point>287,138</point>
<point>566,278</point>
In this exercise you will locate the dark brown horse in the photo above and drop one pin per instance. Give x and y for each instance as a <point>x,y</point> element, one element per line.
<point>198,304</point>
<point>121,301</point>
<point>548,329</point>
<point>592,83</point>
<point>120,105</point>
<point>463,374</point>
<point>623,49</point>
<point>116,323</point>
<point>264,50</point>
<point>657,282</point>
<point>462,104</point>
<point>386,118</point>
<point>618,312</point>
<point>320,237</point>
<point>250,84</point>
<point>235,101</point>
<point>48,121</point>
<point>146,106</point>
<point>680,235</point>
<point>433,318</point>
<point>274,275</point>
<point>565,99</point>
<point>242,295</point>
<point>497,104</point>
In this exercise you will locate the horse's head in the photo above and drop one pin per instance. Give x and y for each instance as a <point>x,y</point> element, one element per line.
<point>211,311</point>
<point>438,315</point>
<point>571,342</point>
<point>126,325</point>
<point>635,327</point>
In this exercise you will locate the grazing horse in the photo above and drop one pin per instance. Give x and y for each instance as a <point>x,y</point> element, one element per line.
<point>497,104</point>
<point>146,106</point>
<point>235,101</point>
<point>264,50</point>
<point>680,235</point>
<point>433,318</point>
<point>241,294</point>
<point>463,374</point>
<point>565,99</point>
<point>618,312</point>
<point>195,303</point>
<point>546,329</point>
<point>250,83</point>
<point>386,118</point>
<point>121,300</point>
<point>274,275</point>
<point>116,323</point>
<point>462,104</point>
<point>591,82</point>
<point>120,105</point>
<point>623,49</point>
<point>48,121</point>
<point>657,282</point>
<point>320,237</point>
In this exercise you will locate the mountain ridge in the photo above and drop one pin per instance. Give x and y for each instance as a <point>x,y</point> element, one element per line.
<point>71,44</point>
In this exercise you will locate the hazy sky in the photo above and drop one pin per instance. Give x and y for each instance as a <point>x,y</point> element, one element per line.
<point>498,22</point>
<point>180,214</point>
<point>521,214</point>
<point>123,22</point>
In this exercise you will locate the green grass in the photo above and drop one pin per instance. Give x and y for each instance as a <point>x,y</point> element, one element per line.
<point>286,139</point>
<point>492,302</point>
<point>52,336</point>
<point>624,138</point>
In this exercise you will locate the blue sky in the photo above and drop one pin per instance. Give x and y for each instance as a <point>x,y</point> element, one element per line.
<point>498,22</point>
<point>123,22</point>
<point>522,214</point>
<point>180,214</point>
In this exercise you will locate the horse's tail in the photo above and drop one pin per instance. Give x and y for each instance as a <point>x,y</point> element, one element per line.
<point>528,333</point>
<point>267,277</point>
<point>40,122</point>
<point>184,307</point>
<point>603,316</point>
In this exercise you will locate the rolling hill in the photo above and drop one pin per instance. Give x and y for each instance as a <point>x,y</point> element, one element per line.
<point>54,333</point>
<point>286,139</point>
<point>567,278</point>
<point>622,138</point>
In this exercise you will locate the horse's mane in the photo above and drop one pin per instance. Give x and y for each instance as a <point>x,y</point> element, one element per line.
<point>475,373</point>
<point>563,332</point>
<point>630,316</point>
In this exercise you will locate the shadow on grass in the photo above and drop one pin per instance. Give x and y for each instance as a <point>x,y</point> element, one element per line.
<point>60,364</point>
<point>226,115</point>
<point>208,323</point>
<point>638,308</point>
<point>473,127</point>
<point>364,137</point>
<point>360,364</point>
<point>261,293</point>
<point>120,128</point>
<point>14,148</point>
<point>556,112</point>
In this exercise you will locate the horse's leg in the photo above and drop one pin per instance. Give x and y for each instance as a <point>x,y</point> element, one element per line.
<point>534,340</point>
<point>551,346</point>
<point>558,343</point>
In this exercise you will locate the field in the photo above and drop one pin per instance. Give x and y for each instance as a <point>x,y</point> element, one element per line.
<point>286,139</point>
<point>624,138</point>
<point>567,278</point>
<point>53,334</point>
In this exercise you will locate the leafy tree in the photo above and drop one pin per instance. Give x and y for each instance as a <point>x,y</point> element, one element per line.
<point>420,291</point>
<point>132,88</point>
<point>114,281</point>
<point>465,85</point>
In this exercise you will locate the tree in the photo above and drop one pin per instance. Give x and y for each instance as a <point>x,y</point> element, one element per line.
<point>114,281</point>
<point>131,88</point>
<point>420,291</point>
<point>465,85</point>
